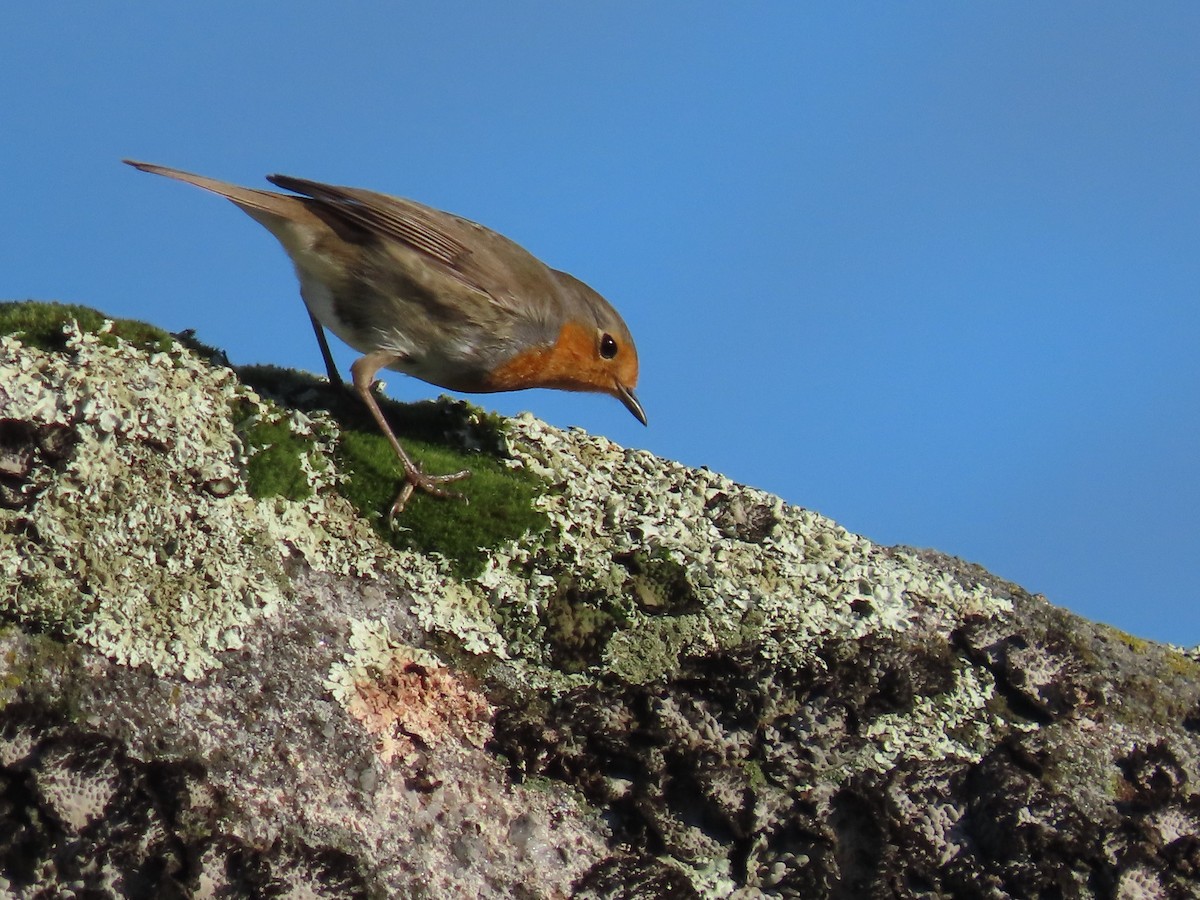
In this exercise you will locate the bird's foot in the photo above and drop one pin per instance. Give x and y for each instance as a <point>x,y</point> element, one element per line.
<point>416,480</point>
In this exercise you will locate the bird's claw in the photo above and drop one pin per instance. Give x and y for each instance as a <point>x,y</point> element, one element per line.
<point>415,479</point>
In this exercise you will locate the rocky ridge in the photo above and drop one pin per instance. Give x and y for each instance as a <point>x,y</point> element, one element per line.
<point>669,685</point>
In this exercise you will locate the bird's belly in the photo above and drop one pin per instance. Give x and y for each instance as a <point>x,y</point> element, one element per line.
<point>447,359</point>
<point>320,302</point>
<point>453,370</point>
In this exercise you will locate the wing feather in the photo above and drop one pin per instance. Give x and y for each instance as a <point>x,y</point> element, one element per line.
<point>418,227</point>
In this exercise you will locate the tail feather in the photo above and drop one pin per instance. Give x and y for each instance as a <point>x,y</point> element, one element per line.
<point>273,210</point>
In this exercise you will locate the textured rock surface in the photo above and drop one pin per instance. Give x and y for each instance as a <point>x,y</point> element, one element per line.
<point>680,687</point>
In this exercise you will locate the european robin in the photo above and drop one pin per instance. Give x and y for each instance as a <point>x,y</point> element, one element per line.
<point>435,296</point>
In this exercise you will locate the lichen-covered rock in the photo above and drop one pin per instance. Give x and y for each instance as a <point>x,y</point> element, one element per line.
<point>220,676</point>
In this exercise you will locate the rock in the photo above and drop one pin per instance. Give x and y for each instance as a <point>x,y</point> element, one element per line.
<point>222,675</point>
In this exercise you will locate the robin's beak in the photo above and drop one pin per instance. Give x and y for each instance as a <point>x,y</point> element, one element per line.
<point>625,395</point>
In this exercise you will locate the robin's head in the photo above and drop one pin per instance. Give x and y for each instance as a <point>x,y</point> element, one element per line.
<point>593,351</point>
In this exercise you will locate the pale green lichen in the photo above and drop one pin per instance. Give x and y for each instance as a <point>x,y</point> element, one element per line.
<point>146,543</point>
<point>460,610</point>
<point>126,549</point>
<point>953,724</point>
<point>800,582</point>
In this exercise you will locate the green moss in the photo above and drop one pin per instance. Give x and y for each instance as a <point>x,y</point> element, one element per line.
<point>499,501</point>
<point>274,468</point>
<point>40,324</point>
<point>498,504</point>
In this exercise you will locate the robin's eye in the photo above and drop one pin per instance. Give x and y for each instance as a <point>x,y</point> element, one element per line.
<point>608,347</point>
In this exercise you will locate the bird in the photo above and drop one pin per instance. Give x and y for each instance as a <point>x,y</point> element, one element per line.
<point>435,296</point>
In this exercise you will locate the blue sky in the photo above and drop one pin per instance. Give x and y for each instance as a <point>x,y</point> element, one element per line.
<point>930,269</point>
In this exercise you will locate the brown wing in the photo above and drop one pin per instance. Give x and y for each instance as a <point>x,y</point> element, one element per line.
<point>428,231</point>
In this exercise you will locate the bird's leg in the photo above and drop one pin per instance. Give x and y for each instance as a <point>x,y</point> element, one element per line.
<point>335,377</point>
<point>363,370</point>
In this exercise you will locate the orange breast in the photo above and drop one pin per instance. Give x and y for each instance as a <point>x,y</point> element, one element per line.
<point>569,364</point>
